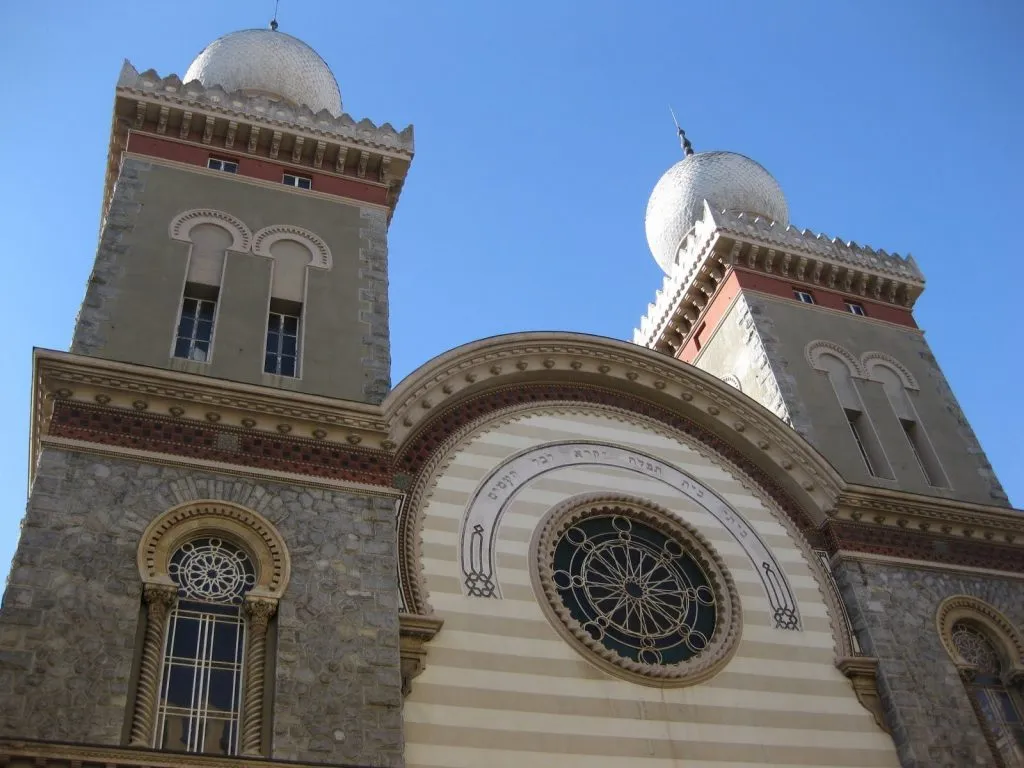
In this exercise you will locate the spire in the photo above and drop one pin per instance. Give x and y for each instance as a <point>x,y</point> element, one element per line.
<point>683,141</point>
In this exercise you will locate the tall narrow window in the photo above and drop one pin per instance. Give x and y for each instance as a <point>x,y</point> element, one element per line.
<point>200,700</point>
<point>997,704</point>
<point>898,390</point>
<point>853,418</point>
<point>842,374</point>
<point>194,338</point>
<point>921,453</point>
<point>283,324</point>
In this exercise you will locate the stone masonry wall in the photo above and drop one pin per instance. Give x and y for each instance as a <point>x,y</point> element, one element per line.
<point>373,304</point>
<point>71,611</point>
<point>101,290</point>
<point>893,611</point>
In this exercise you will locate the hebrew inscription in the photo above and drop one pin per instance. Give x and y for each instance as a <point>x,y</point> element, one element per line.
<point>483,515</point>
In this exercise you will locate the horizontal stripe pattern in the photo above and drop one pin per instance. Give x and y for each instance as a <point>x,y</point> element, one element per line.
<point>502,688</point>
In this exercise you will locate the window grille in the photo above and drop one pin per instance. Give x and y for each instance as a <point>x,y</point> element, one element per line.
<point>995,702</point>
<point>200,697</point>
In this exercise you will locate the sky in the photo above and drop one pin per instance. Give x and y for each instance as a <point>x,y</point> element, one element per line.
<point>541,128</point>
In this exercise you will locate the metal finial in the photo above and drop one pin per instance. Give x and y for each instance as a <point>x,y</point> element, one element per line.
<point>683,141</point>
<point>273,21</point>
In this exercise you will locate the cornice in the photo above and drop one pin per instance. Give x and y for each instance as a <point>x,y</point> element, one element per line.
<point>118,409</point>
<point>908,512</point>
<point>617,366</point>
<point>215,100</point>
<point>722,240</point>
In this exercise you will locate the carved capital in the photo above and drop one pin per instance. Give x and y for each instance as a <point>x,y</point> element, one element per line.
<point>159,599</point>
<point>259,610</point>
<point>863,674</point>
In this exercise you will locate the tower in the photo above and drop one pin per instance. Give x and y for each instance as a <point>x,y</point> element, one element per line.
<point>817,330</point>
<point>239,288</point>
<point>245,224</point>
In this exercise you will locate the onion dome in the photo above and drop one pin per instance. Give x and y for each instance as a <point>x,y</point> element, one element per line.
<point>727,181</point>
<point>266,62</point>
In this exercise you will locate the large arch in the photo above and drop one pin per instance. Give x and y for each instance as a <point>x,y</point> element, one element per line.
<point>434,408</point>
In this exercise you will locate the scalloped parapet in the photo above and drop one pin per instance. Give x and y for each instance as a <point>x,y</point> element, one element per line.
<point>679,300</point>
<point>150,84</point>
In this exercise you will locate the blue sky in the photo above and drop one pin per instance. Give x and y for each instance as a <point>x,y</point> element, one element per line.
<point>541,128</point>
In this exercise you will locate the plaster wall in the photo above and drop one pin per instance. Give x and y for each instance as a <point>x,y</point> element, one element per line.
<point>130,312</point>
<point>503,688</point>
<point>783,328</point>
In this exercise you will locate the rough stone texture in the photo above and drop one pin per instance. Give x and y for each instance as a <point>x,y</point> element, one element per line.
<point>71,611</point>
<point>102,288</point>
<point>743,346</point>
<point>373,304</point>
<point>893,612</point>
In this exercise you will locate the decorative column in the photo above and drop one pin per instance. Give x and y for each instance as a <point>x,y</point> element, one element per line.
<point>160,599</point>
<point>259,610</point>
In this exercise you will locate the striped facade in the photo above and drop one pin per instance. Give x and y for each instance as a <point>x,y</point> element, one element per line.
<point>503,689</point>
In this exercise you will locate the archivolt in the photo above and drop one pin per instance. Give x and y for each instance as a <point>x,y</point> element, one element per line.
<point>250,530</point>
<point>319,253</point>
<point>182,224</point>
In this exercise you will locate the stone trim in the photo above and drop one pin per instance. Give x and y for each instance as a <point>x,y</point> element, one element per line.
<point>862,672</point>
<point>815,349</point>
<point>181,227</point>
<point>870,359</point>
<point>1007,639</point>
<point>258,611</point>
<point>249,529</point>
<point>414,633</point>
<point>320,254</point>
<point>729,615</point>
<point>160,599</point>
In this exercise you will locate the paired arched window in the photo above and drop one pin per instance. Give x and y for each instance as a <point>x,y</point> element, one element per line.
<point>293,251</point>
<point>898,383</point>
<point>213,575</point>
<point>989,654</point>
<point>843,370</point>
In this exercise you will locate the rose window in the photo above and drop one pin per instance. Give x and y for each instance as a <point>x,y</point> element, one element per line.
<point>211,570</point>
<point>642,591</point>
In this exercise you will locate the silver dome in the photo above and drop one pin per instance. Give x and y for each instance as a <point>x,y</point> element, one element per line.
<point>728,181</point>
<point>264,61</point>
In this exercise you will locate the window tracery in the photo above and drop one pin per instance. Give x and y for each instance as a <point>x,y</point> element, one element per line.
<point>638,592</point>
<point>213,573</point>
<point>989,654</point>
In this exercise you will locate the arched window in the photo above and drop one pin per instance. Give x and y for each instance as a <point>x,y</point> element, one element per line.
<point>843,371</point>
<point>898,383</point>
<point>989,653</point>
<point>213,573</point>
<point>200,700</point>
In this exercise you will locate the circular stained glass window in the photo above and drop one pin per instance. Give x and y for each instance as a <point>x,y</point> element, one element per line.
<point>642,589</point>
<point>212,570</point>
